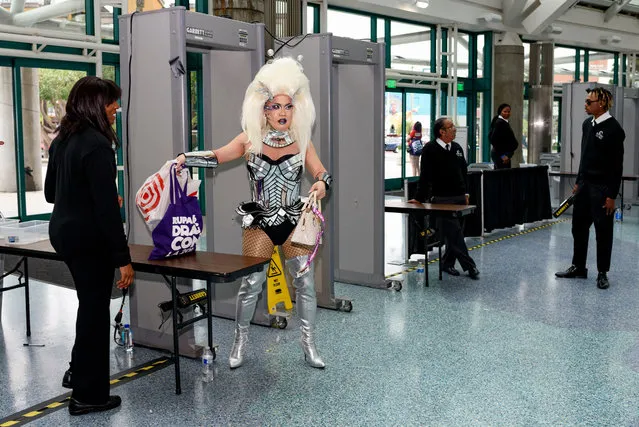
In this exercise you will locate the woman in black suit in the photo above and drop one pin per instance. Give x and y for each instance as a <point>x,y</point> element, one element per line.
<point>86,230</point>
<point>502,138</point>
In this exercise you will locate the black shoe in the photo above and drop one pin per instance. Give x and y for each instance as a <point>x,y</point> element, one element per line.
<point>573,272</point>
<point>451,270</point>
<point>79,408</point>
<point>473,273</point>
<point>66,379</point>
<point>602,281</point>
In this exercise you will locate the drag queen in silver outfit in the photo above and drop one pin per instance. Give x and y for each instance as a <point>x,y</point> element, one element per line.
<point>277,119</point>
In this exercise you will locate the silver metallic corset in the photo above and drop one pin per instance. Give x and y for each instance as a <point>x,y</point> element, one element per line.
<point>275,191</point>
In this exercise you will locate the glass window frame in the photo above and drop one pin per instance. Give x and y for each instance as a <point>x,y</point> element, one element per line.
<point>17,64</point>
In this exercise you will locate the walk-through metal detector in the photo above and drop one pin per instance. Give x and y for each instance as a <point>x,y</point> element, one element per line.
<point>157,126</point>
<point>347,85</point>
<point>625,109</point>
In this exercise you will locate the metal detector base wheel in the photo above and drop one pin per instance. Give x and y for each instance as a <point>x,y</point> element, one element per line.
<point>279,322</point>
<point>394,285</point>
<point>338,304</point>
<point>344,305</point>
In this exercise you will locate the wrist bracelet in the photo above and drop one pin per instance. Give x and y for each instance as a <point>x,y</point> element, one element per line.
<point>327,179</point>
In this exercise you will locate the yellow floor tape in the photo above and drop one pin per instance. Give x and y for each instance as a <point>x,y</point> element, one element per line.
<point>52,405</point>
<point>481,245</point>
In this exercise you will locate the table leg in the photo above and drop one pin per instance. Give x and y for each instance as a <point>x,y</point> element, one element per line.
<point>176,342</point>
<point>426,227</point>
<point>439,263</point>
<point>1,283</point>
<point>209,313</point>
<point>621,212</point>
<point>26,295</point>
<point>426,264</point>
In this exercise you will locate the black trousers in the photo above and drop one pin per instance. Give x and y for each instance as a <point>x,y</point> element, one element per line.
<point>93,278</point>
<point>588,209</point>
<point>497,161</point>
<point>451,229</point>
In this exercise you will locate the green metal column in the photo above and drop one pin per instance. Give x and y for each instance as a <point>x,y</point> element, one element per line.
<point>615,70</point>
<point>387,40</point>
<point>433,51</point>
<point>316,19</point>
<point>88,17</point>
<point>487,107</point>
<point>373,29</point>
<point>403,144</point>
<point>577,64</point>
<point>586,64</point>
<point>471,113</point>
<point>202,6</point>
<point>18,138</point>
<point>120,151</point>
<point>117,11</point>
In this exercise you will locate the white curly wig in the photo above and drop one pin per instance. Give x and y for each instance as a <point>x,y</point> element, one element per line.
<point>282,76</point>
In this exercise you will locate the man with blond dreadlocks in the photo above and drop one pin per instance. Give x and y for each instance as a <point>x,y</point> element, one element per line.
<point>597,186</point>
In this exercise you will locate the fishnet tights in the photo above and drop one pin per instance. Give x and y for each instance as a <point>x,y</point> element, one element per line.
<point>255,242</point>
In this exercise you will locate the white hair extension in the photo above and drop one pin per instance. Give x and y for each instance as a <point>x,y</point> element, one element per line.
<point>282,76</point>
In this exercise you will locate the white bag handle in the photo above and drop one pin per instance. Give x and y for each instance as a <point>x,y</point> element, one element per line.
<point>310,201</point>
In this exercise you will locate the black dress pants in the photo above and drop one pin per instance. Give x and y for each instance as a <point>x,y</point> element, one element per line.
<point>497,161</point>
<point>588,209</point>
<point>93,278</point>
<point>451,229</point>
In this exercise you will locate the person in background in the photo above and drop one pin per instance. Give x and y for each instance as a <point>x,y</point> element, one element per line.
<point>86,230</point>
<point>598,182</point>
<point>502,138</point>
<point>415,146</point>
<point>443,176</point>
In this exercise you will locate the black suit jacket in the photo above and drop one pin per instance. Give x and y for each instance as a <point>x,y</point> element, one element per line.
<point>80,183</point>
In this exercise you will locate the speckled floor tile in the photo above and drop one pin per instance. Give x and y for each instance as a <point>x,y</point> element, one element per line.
<point>517,347</point>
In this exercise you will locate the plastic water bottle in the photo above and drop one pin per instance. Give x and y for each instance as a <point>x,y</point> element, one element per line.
<point>618,214</point>
<point>420,267</point>
<point>207,364</point>
<point>127,338</point>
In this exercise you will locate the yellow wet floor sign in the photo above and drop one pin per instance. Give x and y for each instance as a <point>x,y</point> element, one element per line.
<point>276,285</point>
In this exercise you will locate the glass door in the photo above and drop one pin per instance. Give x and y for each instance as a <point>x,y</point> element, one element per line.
<point>418,114</point>
<point>44,92</point>
<point>393,131</point>
<point>8,184</point>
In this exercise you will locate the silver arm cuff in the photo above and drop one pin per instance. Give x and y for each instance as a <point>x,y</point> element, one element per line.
<point>327,178</point>
<point>201,159</point>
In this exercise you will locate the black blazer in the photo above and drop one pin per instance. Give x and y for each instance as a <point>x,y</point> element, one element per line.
<point>502,137</point>
<point>80,182</point>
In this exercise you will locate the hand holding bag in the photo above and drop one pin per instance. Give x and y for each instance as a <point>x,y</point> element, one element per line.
<point>181,226</point>
<point>309,226</point>
<point>153,198</point>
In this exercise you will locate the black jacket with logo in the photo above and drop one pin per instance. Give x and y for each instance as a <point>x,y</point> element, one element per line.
<point>443,173</point>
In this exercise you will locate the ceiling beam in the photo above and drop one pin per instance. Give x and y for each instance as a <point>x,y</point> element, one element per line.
<point>545,14</point>
<point>512,11</point>
<point>614,9</point>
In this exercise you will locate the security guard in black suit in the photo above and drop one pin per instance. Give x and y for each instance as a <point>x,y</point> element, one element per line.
<point>443,176</point>
<point>597,186</point>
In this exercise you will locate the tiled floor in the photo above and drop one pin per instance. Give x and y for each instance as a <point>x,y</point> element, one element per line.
<point>517,347</point>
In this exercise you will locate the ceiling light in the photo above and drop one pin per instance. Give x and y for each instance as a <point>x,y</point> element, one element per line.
<point>553,29</point>
<point>423,4</point>
<point>489,17</point>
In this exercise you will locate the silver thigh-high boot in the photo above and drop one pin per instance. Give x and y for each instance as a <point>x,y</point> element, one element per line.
<point>244,309</point>
<point>306,303</point>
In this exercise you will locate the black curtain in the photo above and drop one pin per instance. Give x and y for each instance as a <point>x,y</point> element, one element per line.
<point>516,196</point>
